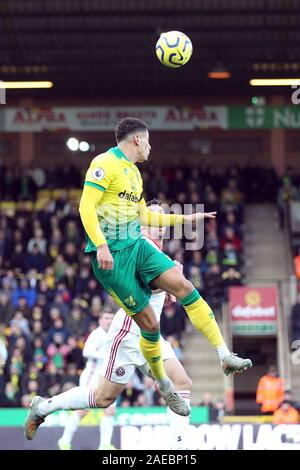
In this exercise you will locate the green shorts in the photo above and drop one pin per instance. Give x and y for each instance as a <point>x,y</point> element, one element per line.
<point>134,268</point>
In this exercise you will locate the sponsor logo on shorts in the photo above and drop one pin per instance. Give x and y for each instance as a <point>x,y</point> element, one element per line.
<point>130,301</point>
<point>120,371</point>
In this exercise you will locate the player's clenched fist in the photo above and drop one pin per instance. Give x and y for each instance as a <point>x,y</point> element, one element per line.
<point>104,258</point>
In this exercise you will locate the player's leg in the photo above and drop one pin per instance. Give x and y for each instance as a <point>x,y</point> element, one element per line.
<point>179,425</point>
<point>87,379</point>
<point>107,427</point>
<point>78,398</point>
<point>133,296</point>
<point>201,315</point>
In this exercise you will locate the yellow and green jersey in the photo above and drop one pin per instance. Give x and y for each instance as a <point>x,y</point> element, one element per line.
<point>121,185</point>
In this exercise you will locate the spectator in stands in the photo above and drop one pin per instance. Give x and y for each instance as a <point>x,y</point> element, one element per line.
<point>212,411</point>
<point>212,241</point>
<point>18,259</point>
<point>58,328</point>
<point>285,414</point>
<point>31,374</point>
<point>39,356</point>
<point>37,328</point>
<point>221,410</point>
<point>59,267</point>
<point>212,257</point>
<point>230,256</point>
<point>198,262</point>
<point>57,351</point>
<point>24,291</point>
<point>196,278</point>
<point>38,241</point>
<point>76,321</point>
<point>288,397</point>
<point>46,290</point>
<point>20,321</point>
<point>23,307</point>
<point>25,401</point>
<point>35,259</point>
<point>287,192</point>
<point>295,320</point>
<point>33,388</point>
<point>74,355</point>
<point>6,308</point>
<point>10,397</point>
<point>210,199</point>
<point>231,223</point>
<point>3,348</point>
<point>71,254</point>
<point>53,379</point>
<point>60,304</point>
<point>71,377</point>
<point>148,392</point>
<point>270,391</point>
<point>171,322</point>
<point>92,290</point>
<point>231,197</point>
<point>213,286</point>
<point>176,346</point>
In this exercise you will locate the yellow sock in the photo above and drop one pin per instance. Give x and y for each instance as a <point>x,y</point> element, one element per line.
<point>150,347</point>
<point>203,318</point>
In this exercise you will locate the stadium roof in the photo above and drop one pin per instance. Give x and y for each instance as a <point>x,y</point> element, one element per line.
<point>106,48</point>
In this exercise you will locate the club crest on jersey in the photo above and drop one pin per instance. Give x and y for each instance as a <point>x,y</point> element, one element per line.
<point>133,185</point>
<point>120,371</point>
<point>98,174</point>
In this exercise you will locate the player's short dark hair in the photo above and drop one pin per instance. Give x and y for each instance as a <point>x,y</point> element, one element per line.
<point>127,126</point>
<point>154,202</point>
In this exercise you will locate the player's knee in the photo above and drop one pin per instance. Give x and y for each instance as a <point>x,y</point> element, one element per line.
<point>188,383</point>
<point>183,383</point>
<point>155,328</point>
<point>102,401</point>
<point>152,327</point>
<point>183,287</point>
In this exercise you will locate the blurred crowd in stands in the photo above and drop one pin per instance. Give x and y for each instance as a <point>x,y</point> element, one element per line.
<point>49,298</point>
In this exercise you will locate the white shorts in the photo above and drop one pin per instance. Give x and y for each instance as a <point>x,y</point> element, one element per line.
<point>89,377</point>
<point>124,356</point>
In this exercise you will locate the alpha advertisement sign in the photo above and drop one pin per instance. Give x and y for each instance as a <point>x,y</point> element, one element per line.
<point>104,118</point>
<point>253,310</point>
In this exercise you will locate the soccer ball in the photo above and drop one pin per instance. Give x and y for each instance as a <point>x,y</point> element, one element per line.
<point>174,49</point>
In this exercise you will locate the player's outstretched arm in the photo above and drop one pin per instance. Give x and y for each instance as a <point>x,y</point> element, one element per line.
<point>157,219</point>
<point>199,216</point>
